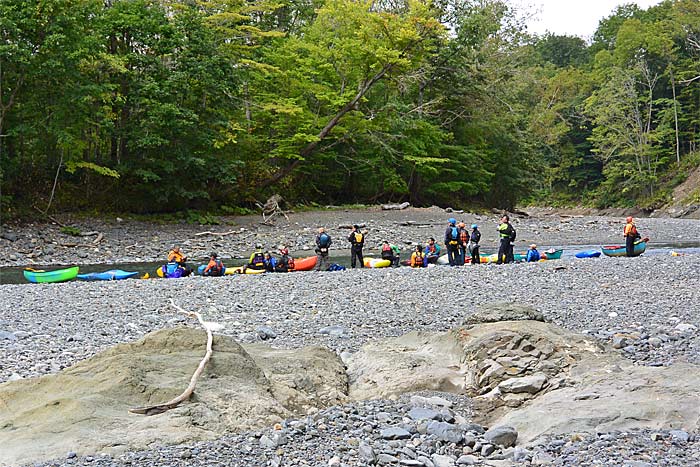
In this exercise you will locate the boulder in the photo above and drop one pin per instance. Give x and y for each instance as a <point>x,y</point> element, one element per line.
<point>528,384</point>
<point>502,435</point>
<point>84,408</point>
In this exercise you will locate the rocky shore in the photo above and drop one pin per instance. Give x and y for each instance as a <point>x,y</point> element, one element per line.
<point>116,240</point>
<point>645,309</point>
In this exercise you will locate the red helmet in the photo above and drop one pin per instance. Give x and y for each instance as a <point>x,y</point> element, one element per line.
<point>284,251</point>
<point>629,219</point>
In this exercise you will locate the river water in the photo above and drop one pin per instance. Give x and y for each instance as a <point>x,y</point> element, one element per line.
<point>13,275</point>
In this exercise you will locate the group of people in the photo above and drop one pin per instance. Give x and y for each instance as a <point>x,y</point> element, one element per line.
<point>459,241</point>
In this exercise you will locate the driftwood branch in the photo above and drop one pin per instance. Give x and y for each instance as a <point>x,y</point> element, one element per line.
<point>218,234</point>
<point>171,404</point>
<point>89,234</point>
<point>350,226</point>
<point>395,207</point>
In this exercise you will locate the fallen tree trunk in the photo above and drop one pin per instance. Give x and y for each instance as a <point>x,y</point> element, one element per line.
<point>171,404</point>
<point>395,207</point>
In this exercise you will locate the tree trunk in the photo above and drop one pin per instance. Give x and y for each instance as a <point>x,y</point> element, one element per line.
<point>675,118</point>
<point>311,147</point>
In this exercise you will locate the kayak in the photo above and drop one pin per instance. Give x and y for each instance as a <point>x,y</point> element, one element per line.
<point>588,254</point>
<point>305,264</point>
<point>200,270</point>
<point>620,250</point>
<point>59,275</point>
<point>377,263</point>
<point>552,254</point>
<point>111,275</point>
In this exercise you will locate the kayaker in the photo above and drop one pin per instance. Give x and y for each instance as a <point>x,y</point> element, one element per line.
<point>463,241</point>
<point>357,242</point>
<point>286,262</point>
<point>270,262</point>
<point>418,259</point>
<point>215,267</point>
<point>631,235</point>
<point>452,241</point>
<point>473,246</point>
<point>507,233</point>
<point>323,245</point>
<point>257,258</point>
<point>176,256</point>
<point>391,252</point>
<point>432,250</point>
<point>532,254</point>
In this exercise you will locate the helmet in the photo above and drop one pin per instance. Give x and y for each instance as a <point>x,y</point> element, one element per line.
<point>629,219</point>
<point>452,220</point>
<point>258,246</point>
<point>355,226</point>
<point>284,251</point>
<point>213,254</point>
<point>474,226</point>
<point>462,224</point>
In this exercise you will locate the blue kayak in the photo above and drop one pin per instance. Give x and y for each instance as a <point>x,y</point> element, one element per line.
<point>588,254</point>
<point>111,275</point>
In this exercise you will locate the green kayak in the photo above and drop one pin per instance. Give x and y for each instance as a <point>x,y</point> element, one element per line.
<point>59,275</point>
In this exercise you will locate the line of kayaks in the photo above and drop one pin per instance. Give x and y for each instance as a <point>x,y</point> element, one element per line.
<point>304,264</point>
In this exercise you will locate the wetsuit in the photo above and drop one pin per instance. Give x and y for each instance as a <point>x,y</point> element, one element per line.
<point>452,243</point>
<point>357,241</point>
<point>505,249</point>
<point>474,240</point>
<point>631,236</point>
<point>323,244</point>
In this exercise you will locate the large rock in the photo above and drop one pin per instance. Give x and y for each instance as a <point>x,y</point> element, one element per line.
<point>536,377</point>
<point>84,408</point>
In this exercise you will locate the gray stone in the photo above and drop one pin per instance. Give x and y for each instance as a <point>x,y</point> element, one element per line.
<point>418,413</point>
<point>502,435</point>
<point>655,342</point>
<point>445,431</point>
<point>440,460</point>
<point>495,312</point>
<point>487,450</point>
<point>685,328</point>
<point>366,452</point>
<point>265,332</point>
<point>467,460</point>
<point>9,336</point>
<point>267,443</point>
<point>680,435</point>
<point>521,454</point>
<point>527,384</point>
<point>11,236</point>
<point>620,342</point>
<point>385,459</point>
<point>426,461</point>
<point>411,463</point>
<point>334,331</point>
<point>394,433</point>
<point>541,458</point>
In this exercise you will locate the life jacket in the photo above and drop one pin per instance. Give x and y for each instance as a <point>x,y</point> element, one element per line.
<point>507,231</point>
<point>533,256</point>
<point>258,259</point>
<point>454,233</point>
<point>418,260</point>
<point>175,257</point>
<point>172,270</point>
<point>324,240</point>
<point>475,236</point>
<point>358,237</point>
<point>463,236</point>
<point>631,230</point>
<point>387,252</point>
<point>217,268</point>
<point>386,247</point>
<point>430,249</point>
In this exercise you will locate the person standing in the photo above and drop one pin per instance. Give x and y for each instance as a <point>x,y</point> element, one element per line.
<point>463,241</point>
<point>357,242</point>
<point>474,239</point>
<point>452,241</point>
<point>631,236</point>
<point>323,245</point>
<point>507,233</point>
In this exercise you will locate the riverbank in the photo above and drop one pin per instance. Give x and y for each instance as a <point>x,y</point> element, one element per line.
<point>115,240</point>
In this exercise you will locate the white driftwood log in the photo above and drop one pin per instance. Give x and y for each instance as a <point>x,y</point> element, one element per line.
<point>171,404</point>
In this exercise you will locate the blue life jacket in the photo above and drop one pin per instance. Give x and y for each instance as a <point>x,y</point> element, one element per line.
<point>532,256</point>
<point>454,233</point>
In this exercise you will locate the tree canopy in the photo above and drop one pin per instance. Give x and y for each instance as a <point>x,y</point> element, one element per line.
<point>166,105</point>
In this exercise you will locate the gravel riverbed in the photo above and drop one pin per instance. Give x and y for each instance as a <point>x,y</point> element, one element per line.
<point>647,308</point>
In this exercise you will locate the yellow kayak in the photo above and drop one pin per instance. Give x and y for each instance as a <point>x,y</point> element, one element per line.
<point>239,270</point>
<point>377,263</point>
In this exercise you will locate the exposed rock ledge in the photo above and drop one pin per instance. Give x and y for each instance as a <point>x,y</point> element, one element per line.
<point>534,376</point>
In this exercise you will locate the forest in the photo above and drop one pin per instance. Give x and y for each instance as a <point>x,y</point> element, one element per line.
<point>152,106</point>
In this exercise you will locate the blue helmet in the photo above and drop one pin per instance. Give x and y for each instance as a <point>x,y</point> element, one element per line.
<point>452,220</point>
<point>474,226</point>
